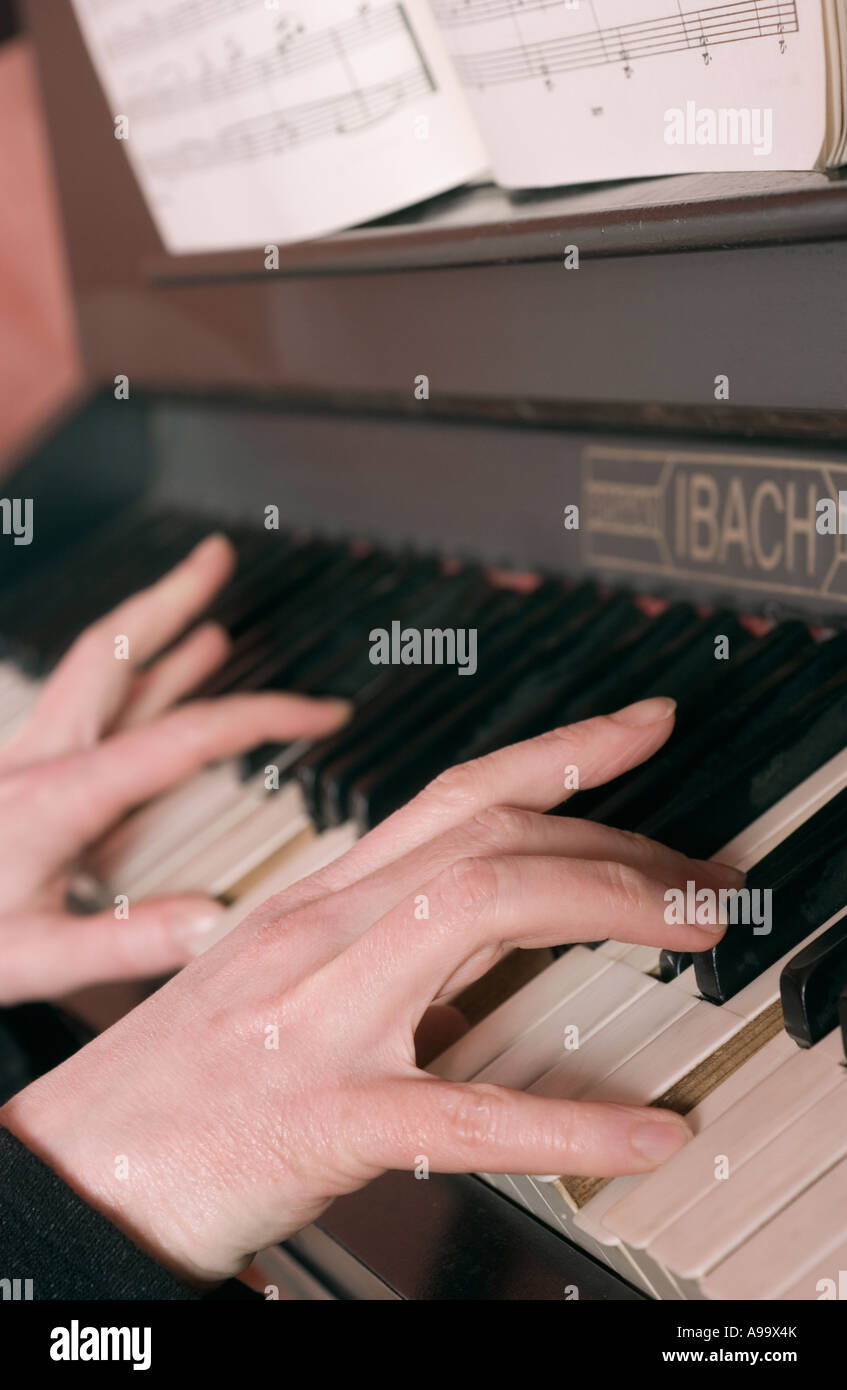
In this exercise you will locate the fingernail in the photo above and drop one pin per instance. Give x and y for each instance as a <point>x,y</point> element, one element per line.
<point>342,709</point>
<point>657,1140</point>
<point>187,927</point>
<point>652,711</point>
<point>723,873</point>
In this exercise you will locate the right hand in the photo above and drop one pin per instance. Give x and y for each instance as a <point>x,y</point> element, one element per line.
<point>278,1070</point>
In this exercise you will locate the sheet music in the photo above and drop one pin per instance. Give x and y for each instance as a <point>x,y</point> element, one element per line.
<point>573,91</point>
<point>264,121</point>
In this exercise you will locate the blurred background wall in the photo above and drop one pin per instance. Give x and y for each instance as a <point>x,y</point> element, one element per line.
<point>38,361</point>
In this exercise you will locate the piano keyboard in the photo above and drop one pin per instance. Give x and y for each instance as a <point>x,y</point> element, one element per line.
<point>744,1039</point>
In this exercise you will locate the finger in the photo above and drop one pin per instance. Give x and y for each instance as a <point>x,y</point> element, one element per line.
<point>472,1128</point>
<point>89,791</point>
<point>85,693</point>
<point>47,956</point>
<point>499,830</point>
<point>440,1027</point>
<point>175,675</point>
<point>531,775</point>
<point>479,908</point>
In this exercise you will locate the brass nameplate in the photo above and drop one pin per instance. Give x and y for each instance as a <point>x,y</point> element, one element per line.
<point>737,521</point>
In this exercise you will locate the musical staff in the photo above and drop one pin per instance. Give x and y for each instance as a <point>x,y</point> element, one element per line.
<point>149,30</point>
<point>295,52</point>
<point>699,29</point>
<point>292,126</point>
<point>451,13</point>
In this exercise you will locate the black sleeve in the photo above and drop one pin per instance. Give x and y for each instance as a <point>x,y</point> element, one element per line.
<point>50,1235</point>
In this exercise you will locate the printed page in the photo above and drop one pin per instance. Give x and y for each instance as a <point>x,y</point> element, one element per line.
<point>257,121</point>
<point>573,91</point>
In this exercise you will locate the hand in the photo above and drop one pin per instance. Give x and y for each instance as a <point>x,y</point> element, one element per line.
<point>278,1070</point>
<point>102,738</point>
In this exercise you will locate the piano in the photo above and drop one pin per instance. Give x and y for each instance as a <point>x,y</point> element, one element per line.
<point>613,475</point>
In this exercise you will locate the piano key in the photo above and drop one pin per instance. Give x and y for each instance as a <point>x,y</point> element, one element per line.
<point>806,876</point>
<point>496,1033</point>
<point>565,665</point>
<point>754,672</point>
<point>811,983</point>
<point>216,868</point>
<point>774,825</point>
<point>519,1015</point>
<point>579,1015</point>
<point>651,1010</point>
<point>423,739</point>
<point>400,776</point>
<point>693,1060</point>
<point>174,817</point>
<point>738,1083</point>
<point>755,1190</point>
<point>306,856</point>
<point>766,1110</point>
<point>750,773</point>
<point>800,1254</point>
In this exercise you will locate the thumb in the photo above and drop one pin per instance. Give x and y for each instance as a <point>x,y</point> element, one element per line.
<point>50,955</point>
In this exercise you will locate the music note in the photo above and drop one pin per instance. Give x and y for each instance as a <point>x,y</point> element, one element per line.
<point>627,44</point>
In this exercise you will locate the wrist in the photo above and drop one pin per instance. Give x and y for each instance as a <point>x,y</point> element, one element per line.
<point>44,1117</point>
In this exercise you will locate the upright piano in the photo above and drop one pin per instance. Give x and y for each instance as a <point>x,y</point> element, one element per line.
<point>436,403</point>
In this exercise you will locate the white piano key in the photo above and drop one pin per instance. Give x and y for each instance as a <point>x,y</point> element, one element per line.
<point>756,1189</point>
<point>216,851</point>
<point>588,1010</point>
<point>299,863</point>
<point>607,1048</point>
<point>825,1280</point>
<point>232,856</point>
<point>669,1056</point>
<point>643,1079</point>
<point>149,834</point>
<point>740,1131</point>
<point>522,1012</point>
<point>805,1243</point>
<point>588,1230</point>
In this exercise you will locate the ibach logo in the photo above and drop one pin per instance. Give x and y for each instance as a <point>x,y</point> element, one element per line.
<point>740,520</point>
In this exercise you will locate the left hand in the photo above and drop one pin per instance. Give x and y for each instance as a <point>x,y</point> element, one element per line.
<point>103,737</point>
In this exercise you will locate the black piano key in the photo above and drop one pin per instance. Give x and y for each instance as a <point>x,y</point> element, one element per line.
<point>806,876</point>
<point>674,655</point>
<point>303,666</point>
<point>133,569</point>
<point>437,742</point>
<point>759,669</point>
<point>503,646</point>
<point>672,964</point>
<point>811,983</point>
<point>777,749</point>
<point>565,665</point>
<point>304,577</point>
<point>347,613</point>
<point>467,600</point>
<point>56,610</point>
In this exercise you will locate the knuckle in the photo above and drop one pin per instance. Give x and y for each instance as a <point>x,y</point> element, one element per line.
<point>467,890</point>
<point>477,1116</point>
<point>457,786</point>
<point>500,827</point>
<point>627,885</point>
